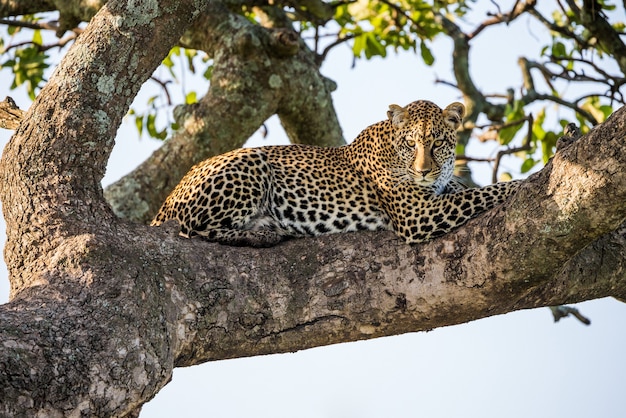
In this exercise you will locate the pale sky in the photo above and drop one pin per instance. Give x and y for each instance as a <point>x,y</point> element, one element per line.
<point>515,365</point>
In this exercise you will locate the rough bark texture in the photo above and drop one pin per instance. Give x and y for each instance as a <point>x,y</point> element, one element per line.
<point>103,309</point>
<point>10,115</point>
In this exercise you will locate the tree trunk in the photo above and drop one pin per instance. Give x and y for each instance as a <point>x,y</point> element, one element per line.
<point>103,309</point>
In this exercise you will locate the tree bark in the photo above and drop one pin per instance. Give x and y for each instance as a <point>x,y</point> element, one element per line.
<point>103,309</point>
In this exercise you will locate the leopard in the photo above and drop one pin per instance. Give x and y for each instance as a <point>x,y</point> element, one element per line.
<point>398,175</point>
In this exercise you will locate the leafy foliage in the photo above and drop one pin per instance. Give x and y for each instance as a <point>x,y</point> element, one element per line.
<point>27,61</point>
<point>583,47</point>
<point>377,26</point>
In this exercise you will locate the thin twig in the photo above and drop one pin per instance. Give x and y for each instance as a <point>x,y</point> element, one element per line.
<point>321,57</point>
<point>497,18</point>
<point>467,158</point>
<point>29,25</point>
<point>163,85</point>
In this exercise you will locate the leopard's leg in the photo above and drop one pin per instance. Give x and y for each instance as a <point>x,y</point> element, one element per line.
<point>438,215</point>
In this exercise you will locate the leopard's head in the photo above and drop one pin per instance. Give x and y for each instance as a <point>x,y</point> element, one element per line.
<point>424,137</point>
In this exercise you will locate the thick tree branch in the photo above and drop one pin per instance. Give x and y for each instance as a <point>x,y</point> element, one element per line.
<point>190,301</point>
<point>103,89</point>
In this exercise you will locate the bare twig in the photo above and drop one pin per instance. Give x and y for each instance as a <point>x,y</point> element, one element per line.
<point>467,158</point>
<point>531,94</point>
<point>40,26</point>
<point>29,25</point>
<point>163,85</point>
<point>517,10</point>
<point>559,29</point>
<point>52,26</point>
<point>321,57</point>
<point>446,83</point>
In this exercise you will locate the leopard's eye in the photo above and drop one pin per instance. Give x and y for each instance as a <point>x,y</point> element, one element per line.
<point>410,142</point>
<point>438,143</point>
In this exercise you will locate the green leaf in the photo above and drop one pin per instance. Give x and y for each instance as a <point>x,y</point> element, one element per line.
<point>506,176</point>
<point>548,145</point>
<point>593,106</point>
<point>168,61</point>
<point>507,134</point>
<point>37,39</point>
<point>139,124</point>
<point>538,131</point>
<point>359,45</point>
<point>208,73</point>
<point>151,127</point>
<point>512,114</point>
<point>8,63</point>
<point>28,68</point>
<point>427,55</point>
<point>152,99</point>
<point>606,110</point>
<point>558,49</point>
<point>191,97</point>
<point>527,165</point>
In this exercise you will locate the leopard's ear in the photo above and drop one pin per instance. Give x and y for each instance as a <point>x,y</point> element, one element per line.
<point>453,115</point>
<point>397,115</point>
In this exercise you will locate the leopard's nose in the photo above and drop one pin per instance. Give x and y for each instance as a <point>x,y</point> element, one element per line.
<point>423,173</point>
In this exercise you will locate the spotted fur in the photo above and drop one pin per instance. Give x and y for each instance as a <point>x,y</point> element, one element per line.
<point>397,175</point>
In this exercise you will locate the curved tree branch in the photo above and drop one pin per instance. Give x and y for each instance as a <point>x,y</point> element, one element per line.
<point>519,8</point>
<point>134,302</point>
<point>19,8</point>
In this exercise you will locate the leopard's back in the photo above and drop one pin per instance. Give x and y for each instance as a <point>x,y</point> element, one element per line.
<point>272,192</point>
<point>397,174</point>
